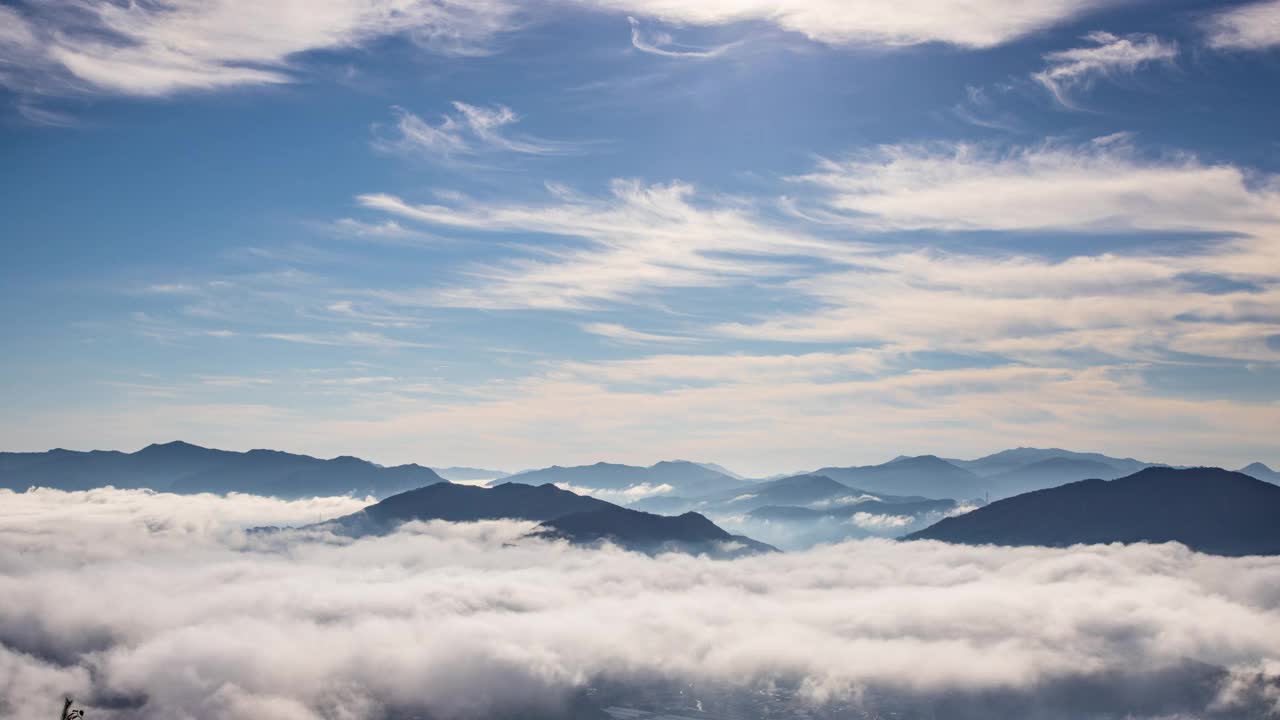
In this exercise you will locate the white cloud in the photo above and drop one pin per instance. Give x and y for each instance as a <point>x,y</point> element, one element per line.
<point>621,497</point>
<point>1255,26</point>
<point>170,46</point>
<point>175,45</point>
<point>1109,56</point>
<point>1102,185</point>
<point>666,46</point>
<point>129,596</point>
<point>353,338</point>
<point>622,333</point>
<point>469,130</point>
<point>387,230</point>
<point>642,238</point>
<point>980,24</point>
<point>881,523</point>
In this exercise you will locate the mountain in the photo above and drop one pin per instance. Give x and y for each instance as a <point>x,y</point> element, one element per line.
<point>685,478</point>
<point>579,519</point>
<point>1207,509</point>
<point>925,475</point>
<point>1047,473</point>
<point>463,474</point>
<point>722,470</point>
<point>1009,460</point>
<point>463,503</point>
<point>181,467</point>
<point>797,490</point>
<point>645,532</point>
<point>1261,472</point>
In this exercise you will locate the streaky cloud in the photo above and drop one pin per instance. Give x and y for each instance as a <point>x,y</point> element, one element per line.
<point>1109,56</point>
<point>663,44</point>
<point>1254,26</point>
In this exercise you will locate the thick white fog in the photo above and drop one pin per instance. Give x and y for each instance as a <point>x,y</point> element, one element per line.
<point>157,606</point>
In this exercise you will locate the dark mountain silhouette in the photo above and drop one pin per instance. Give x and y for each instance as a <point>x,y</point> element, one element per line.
<point>1207,509</point>
<point>577,518</point>
<point>185,468</point>
<point>453,474</point>
<point>1009,460</point>
<point>925,475</point>
<point>1261,472</point>
<point>464,503</point>
<point>645,532</point>
<point>685,478</point>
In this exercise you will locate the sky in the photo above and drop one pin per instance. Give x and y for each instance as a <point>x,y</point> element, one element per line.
<point>773,234</point>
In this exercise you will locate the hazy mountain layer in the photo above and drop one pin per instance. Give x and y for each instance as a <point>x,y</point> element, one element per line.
<point>683,478</point>
<point>185,468</point>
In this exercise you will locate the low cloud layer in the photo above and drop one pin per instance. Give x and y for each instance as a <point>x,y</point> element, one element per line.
<point>151,605</point>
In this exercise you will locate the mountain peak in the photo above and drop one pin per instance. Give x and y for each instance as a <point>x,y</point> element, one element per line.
<point>172,447</point>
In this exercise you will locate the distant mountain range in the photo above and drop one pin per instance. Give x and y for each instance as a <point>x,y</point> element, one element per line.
<point>925,475</point>
<point>668,487</point>
<point>469,474</point>
<point>1261,472</point>
<point>1207,509</point>
<point>1007,461</point>
<point>805,510</point>
<point>798,490</point>
<point>682,476</point>
<point>185,468</point>
<point>563,514</point>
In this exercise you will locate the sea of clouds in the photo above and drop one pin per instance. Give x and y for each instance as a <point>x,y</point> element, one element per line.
<point>150,605</point>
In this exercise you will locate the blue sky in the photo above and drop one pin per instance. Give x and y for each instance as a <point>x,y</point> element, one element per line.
<point>773,234</point>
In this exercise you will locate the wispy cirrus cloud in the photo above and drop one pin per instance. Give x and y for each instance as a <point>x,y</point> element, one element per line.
<point>981,24</point>
<point>171,46</point>
<point>351,338</point>
<point>1255,26</point>
<point>1108,56</point>
<point>661,43</point>
<point>622,333</point>
<point>1101,185</point>
<point>159,48</point>
<point>640,238</point>
<point>467,131</point>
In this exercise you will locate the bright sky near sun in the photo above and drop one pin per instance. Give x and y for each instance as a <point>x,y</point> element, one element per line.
<point>774,234</point>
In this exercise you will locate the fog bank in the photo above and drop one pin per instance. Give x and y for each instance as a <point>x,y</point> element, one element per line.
<point>151,605</point>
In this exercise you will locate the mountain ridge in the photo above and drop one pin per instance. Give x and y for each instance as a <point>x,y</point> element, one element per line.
<point>1207,509</point>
